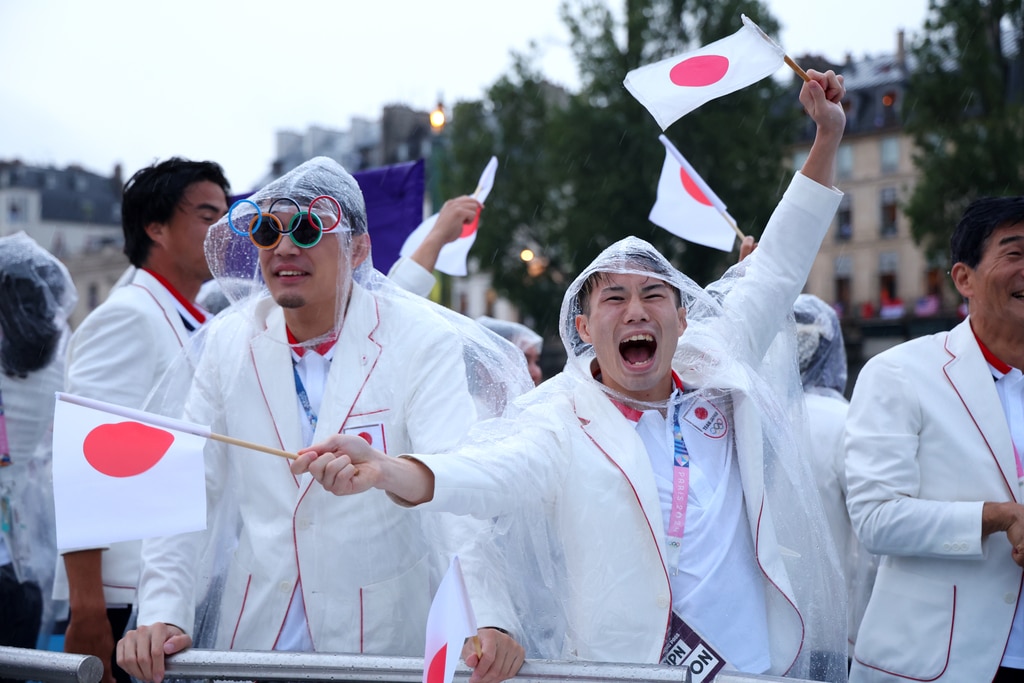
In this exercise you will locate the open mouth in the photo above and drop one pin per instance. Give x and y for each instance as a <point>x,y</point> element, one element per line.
<point>638,350</point>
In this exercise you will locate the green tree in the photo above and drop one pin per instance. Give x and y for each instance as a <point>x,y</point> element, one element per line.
<point>965,104</point>
<point>579,171</point>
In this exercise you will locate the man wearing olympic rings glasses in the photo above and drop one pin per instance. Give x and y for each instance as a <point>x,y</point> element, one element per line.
<point>317,344</point>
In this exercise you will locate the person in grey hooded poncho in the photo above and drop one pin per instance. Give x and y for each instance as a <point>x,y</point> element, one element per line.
<point>658,485</point>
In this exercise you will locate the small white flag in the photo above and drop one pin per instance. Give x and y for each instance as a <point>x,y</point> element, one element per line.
<point>121,474</point>
<point>452,259</point>
<point>449,622</point>
<point>687,207</point>
<point>674,87</point>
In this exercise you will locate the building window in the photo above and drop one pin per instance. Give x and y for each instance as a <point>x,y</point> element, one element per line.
<point>17,210</point>
<point>890,153</point>
<point>890,207</point>
<point>844,162</point>
<point>843,284</point>
<point>889,100</point>
<point>844,219</point>
<point>890,304</point>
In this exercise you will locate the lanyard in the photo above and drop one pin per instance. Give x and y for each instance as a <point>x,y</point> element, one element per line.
<point>680,493</point>
<point>5,445</point>
<point>304,397</point>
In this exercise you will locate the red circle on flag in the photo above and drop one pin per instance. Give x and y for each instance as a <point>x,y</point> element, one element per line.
<point>701,413</point>
<point>125,449</point>
<point>469,227</point>
<point>699,71</point>
<point>692,188</point>
<point>365,436</point>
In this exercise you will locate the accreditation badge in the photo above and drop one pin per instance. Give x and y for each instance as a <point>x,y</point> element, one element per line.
<point>684,647</point>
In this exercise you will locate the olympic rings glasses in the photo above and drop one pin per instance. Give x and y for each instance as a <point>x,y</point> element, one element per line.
<point>305,229</point>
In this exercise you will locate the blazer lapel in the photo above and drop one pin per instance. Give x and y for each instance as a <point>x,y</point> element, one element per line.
<point>616,438</point>
<point>971,378</point>
<point>271,358</point>
<point>355,357</point>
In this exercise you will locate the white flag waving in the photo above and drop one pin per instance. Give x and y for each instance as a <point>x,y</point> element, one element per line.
<point>449,622</point>
<point>687,207</point>
<point>122,475</point>
<point>452,259</point>
<point>674,87</point>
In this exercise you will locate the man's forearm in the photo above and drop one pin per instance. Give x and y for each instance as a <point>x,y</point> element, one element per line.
<point>407,479</point>
<point>85,581</point>
<point>821,160</point>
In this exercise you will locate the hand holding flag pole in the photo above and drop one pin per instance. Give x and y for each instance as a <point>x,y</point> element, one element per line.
<point>170,423</point>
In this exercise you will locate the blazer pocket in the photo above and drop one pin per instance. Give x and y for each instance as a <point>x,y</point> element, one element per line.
<point>394,612</point>
<point>907,628</point>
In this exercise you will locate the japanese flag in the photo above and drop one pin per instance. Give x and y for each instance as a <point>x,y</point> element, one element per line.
<point>122,474</point>
<point>674,87</point>
<point>687,207</point>
<point>452,259</point>
<point>449,622</point>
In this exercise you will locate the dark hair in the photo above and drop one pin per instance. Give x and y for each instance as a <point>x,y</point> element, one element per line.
<point>631,261</point>
<point>30,294</point>
<point>153,194</point>
<point>981,218</point>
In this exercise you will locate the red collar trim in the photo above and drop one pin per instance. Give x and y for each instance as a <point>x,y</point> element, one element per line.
<point>632,414</point>
<point>193,310</point>
<point>322,348</point>
<point>991,357</point>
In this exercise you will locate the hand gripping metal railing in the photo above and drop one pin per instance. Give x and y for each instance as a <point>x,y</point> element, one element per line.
<point>49,667</point>
<point>303,666</point>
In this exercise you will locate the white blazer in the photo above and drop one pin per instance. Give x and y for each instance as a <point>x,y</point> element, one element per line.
<point>927,444</point>
<point>119,354</point>
<point>365,566</point>
<point>591,469</point>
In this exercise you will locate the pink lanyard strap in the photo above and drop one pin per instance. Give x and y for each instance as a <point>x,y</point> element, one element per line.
<point>680,493</point>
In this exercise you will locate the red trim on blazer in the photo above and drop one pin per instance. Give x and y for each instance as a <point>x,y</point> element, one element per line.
<point>241,609</point>
<point>196,312</point>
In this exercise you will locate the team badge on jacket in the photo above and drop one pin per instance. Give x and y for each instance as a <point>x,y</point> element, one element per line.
<point>708,419</point>
<point>373,434</point>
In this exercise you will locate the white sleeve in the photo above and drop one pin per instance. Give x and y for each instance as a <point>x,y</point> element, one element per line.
<point>412,277</point>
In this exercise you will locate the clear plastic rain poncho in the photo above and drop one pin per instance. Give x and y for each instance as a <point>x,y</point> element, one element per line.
<point>560,505</point>
<point>823,371</point>
<point>522,336</point>
<point>820,348</point>
<point>36,298</point>
<point>403,373</point>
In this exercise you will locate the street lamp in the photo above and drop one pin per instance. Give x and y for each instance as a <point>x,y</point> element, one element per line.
<point>438,118</point>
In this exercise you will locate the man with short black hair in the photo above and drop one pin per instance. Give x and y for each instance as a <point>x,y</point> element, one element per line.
<point>120,353</point>
<point>935,484</point>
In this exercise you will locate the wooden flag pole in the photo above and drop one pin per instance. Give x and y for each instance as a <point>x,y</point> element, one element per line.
<point>796,67</point>
<point>253,446</point>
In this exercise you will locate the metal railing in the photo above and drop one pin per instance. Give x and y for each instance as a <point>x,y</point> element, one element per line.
<point>241,665</point>
<point>49,667</point>
<point>309,666</point>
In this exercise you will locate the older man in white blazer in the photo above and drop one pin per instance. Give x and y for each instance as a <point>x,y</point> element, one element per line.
<point>934,437</point>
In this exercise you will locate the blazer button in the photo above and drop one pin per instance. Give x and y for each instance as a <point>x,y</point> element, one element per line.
<point>946,546</point>
<point>662,601</point>
<point>285,586</point>
<point>1010,598</point>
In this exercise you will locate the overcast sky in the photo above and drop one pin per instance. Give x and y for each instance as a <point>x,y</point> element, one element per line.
<point>101,82</point>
